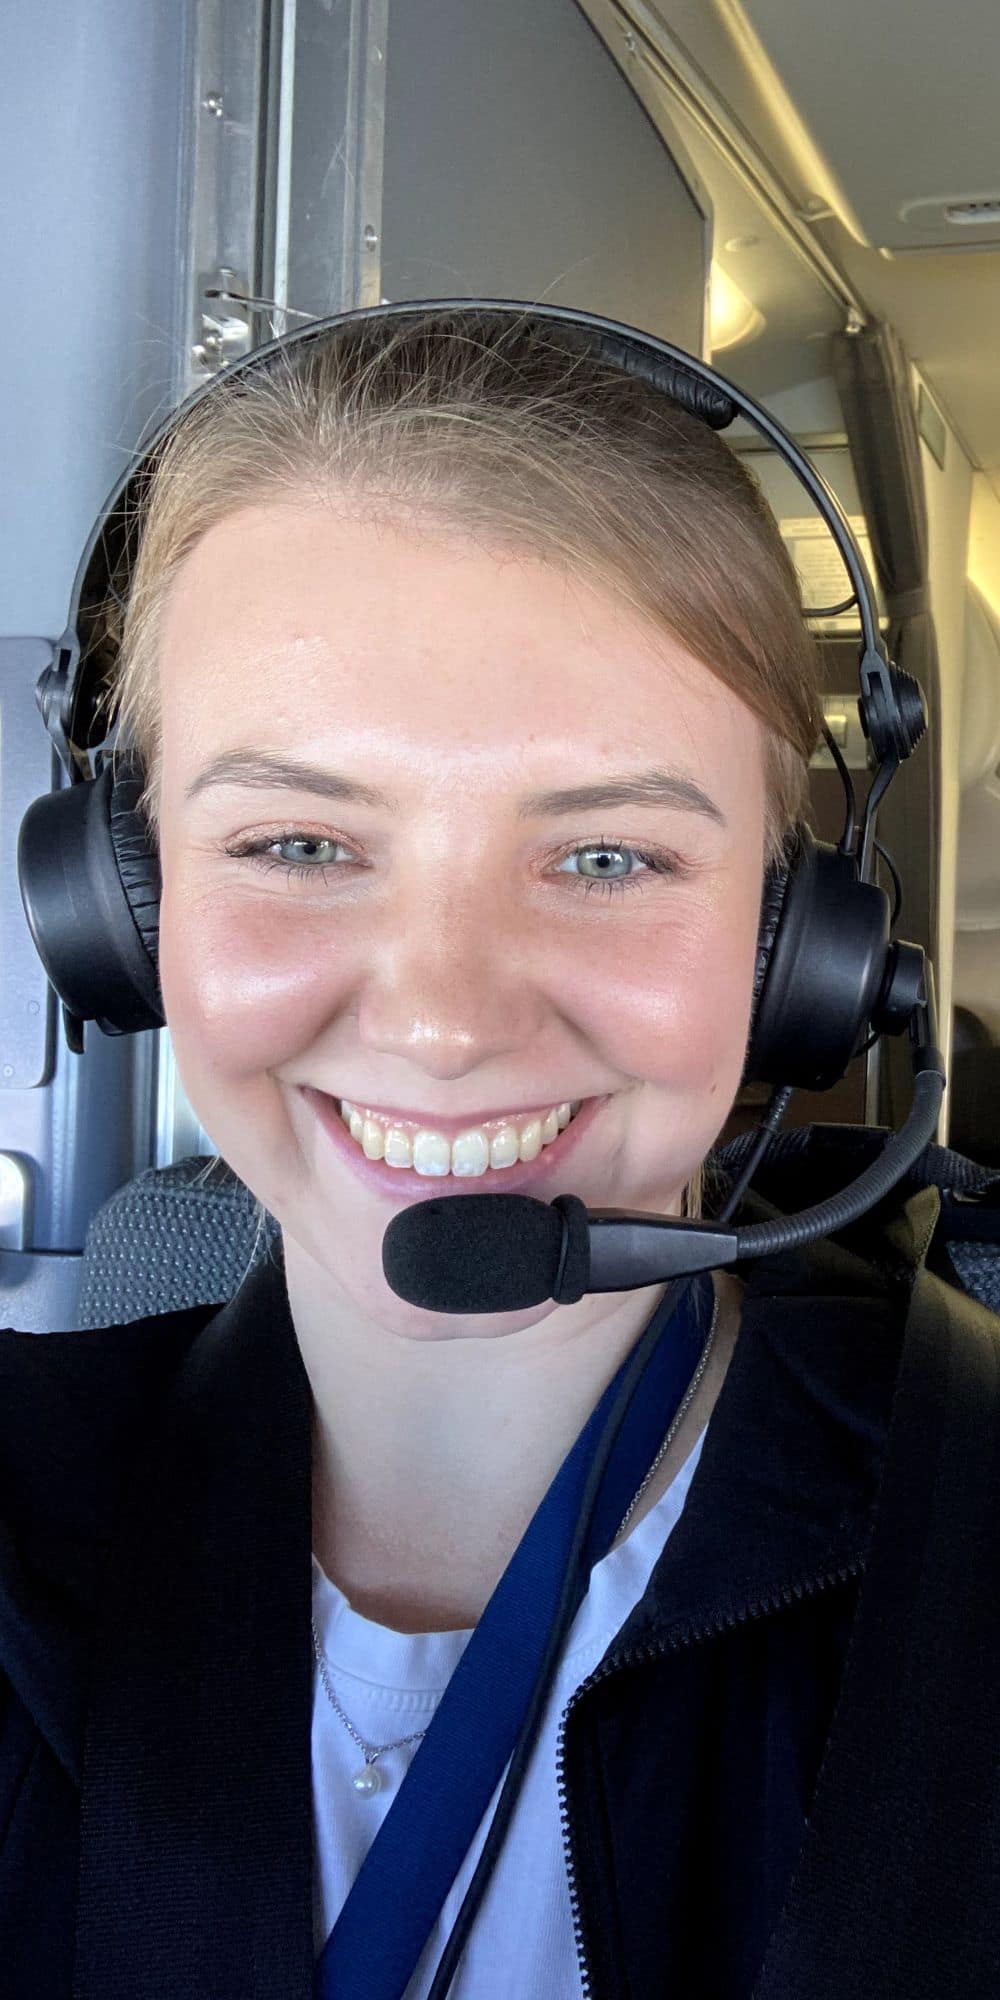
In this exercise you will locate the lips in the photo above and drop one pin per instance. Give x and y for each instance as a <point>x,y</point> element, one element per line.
<point>402,1183</point>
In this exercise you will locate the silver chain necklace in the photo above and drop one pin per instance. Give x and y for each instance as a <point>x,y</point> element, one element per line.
<point>368,1780</point>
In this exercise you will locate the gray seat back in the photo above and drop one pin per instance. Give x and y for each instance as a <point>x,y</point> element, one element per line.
<point>173,1237</point>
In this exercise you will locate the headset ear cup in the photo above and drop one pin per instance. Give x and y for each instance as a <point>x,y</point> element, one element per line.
<point>771,905</point>
<point>823,960</point>
<point>138,863</point>
<point>90,884</point>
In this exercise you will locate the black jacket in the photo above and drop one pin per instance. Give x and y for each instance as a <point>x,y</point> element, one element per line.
<point>744,1814</point>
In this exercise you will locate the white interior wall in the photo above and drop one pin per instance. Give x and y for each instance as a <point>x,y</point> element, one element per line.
<point>977,975</point>
<point>977,953</point>
<point>948,489</point>
<point>984,538</point>
<point>91,168</point>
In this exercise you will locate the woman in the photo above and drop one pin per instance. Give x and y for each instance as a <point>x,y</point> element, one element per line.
<point>474,697</point>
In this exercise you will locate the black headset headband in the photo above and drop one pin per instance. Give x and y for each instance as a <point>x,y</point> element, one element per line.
<point>893,723</point>
<point>828,970</point>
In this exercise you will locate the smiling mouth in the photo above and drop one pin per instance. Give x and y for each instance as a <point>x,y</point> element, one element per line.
<point>394,1184</point>
<point>490,1148</point>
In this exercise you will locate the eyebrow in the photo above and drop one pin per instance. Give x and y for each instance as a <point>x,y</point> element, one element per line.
<point>640,788</point>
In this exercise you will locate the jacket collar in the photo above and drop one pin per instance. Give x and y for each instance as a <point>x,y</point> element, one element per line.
<point>782,1500</point>
<point>196,1808</point>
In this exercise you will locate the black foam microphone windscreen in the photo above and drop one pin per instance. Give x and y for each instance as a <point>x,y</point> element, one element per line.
<point>474,1253</point>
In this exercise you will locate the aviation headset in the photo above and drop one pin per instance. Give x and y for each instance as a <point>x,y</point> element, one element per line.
<point>828,973</point>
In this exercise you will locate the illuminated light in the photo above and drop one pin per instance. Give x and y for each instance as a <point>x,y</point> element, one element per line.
<point>732,316</point>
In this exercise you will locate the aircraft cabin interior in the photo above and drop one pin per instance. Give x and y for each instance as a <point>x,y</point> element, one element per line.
<point>805,196</point>
<point>552,1549</point>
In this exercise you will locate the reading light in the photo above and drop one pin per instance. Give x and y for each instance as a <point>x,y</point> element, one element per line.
<point>732,316</point>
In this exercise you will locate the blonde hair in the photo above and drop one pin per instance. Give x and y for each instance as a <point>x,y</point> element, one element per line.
<point>513,430</point>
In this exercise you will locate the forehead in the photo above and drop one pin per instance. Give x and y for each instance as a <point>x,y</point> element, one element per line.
<point>291,618</point>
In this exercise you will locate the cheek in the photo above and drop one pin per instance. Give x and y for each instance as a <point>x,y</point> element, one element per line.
<point>679,1019</point>
<point>245,985</point>
<point>673,1007</point>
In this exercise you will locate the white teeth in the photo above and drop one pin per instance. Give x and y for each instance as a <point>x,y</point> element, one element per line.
<point>503,1147</point>
<point>431,1153</point>
<point>372,1139</point>
<point>398,1148</point>
<point>470,1154</point>
<point>531,1140</point>
<point>467,1156</point>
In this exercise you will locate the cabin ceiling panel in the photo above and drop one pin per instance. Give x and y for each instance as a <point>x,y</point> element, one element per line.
<point>901,99</point>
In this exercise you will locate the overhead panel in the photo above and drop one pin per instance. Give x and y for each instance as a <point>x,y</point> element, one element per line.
<point>901,100</point>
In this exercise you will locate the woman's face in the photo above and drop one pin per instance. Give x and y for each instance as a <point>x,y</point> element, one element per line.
<point>440,953</point>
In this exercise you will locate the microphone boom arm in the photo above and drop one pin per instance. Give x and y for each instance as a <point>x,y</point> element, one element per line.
<point>611,1250</point>
<point>628,1250</point>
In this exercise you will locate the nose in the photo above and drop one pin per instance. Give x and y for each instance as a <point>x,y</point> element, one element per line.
<point>455,982</point>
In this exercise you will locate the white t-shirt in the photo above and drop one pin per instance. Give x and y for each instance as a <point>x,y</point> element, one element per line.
<point>389,1683</point>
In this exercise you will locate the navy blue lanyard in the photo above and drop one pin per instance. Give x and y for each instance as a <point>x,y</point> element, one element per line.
<point>401,1886</point>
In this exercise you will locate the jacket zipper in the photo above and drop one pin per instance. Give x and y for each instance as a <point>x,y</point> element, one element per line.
<point>687,1635</point>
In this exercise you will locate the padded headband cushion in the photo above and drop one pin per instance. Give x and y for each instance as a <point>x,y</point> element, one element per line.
<point>701,399</point>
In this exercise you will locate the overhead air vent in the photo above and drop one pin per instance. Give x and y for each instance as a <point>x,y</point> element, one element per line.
<point>966,213</point>
<point>963,219</point>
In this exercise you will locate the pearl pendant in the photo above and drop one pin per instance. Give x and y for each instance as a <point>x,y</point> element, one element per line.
<point>367,1781</point>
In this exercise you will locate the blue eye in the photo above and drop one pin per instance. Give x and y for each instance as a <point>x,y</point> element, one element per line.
<point>260,853</point>
<point>607,852</point>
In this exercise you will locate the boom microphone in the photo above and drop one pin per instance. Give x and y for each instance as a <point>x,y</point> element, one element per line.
<point>502,1252</point>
